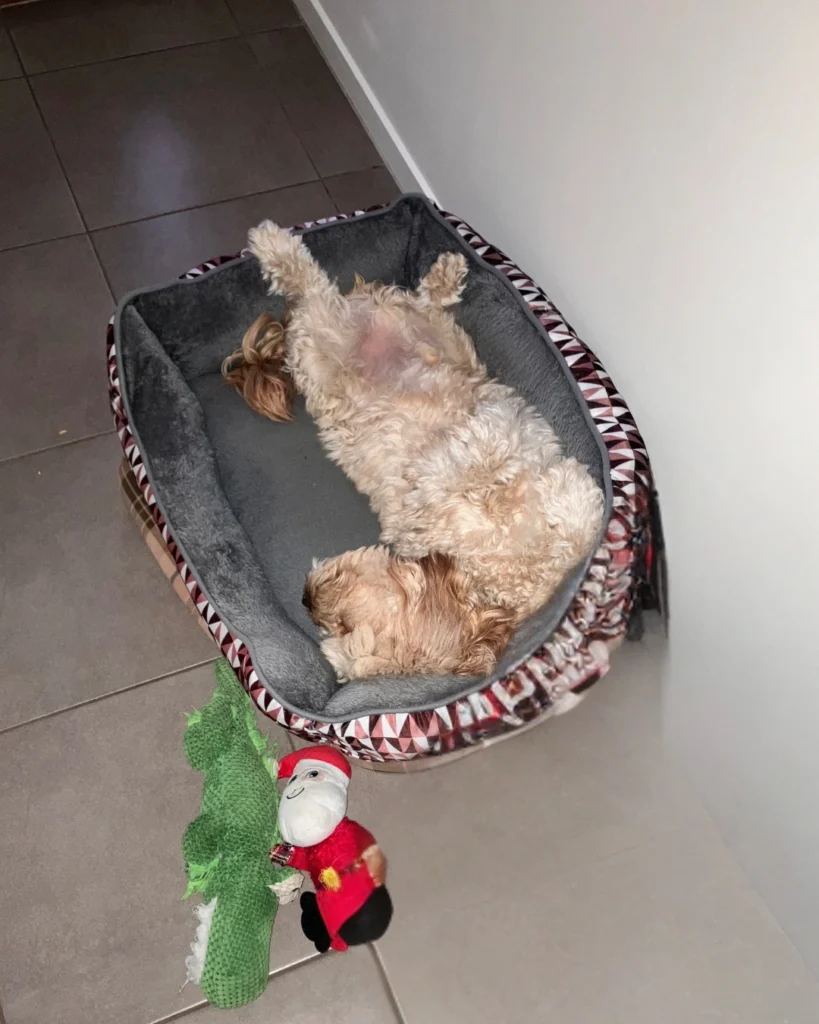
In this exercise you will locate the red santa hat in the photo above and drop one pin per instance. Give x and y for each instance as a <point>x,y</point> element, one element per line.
<point>317,757</point>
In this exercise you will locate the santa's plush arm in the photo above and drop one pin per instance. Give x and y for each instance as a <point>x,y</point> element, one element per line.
<point>370,855</point>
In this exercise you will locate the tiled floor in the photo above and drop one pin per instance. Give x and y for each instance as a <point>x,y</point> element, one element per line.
<point>565,875</point>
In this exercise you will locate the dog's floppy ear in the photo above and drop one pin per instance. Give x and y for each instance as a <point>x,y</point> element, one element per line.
<point>353,654</point>
<point>257,370</point>
<point>485,629</point>
<point>490,630</point>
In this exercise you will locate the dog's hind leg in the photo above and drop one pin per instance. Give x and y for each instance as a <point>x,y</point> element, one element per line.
<point>444,282</point>
<point>288,265</point>
<point>440,288</point>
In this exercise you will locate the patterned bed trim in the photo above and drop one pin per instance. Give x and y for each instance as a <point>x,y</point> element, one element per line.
<point>576,654</point>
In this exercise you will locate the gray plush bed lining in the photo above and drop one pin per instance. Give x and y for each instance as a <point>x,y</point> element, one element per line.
<point>251,503</point>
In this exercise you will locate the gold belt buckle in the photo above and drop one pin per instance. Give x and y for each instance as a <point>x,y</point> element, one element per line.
<point>329,879</point>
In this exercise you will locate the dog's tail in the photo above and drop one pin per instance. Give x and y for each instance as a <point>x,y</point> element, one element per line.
<point>258,372</point>
<point>287,263</point>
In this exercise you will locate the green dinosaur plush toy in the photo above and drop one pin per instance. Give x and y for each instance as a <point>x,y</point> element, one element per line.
<point>226,848</point>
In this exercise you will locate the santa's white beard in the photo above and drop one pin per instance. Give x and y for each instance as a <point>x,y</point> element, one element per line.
<point>311,816</point>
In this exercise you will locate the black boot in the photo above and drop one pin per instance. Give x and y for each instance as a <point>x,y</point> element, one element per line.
<point>312,924</point>
<point>370,922</point>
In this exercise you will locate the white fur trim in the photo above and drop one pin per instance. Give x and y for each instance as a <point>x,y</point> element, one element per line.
<point>288,889</point>
<point>195,963</point>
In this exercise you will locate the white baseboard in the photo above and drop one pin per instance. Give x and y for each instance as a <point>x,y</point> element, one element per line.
<point>382,131</point>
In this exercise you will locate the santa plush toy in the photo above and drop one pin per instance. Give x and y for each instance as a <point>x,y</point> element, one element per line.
<point>351,904</point>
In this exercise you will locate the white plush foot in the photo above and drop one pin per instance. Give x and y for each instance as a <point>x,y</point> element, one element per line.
<point>288,889</point>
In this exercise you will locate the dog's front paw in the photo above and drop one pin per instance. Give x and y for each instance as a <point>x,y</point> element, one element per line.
<point>266,233</point>
<point>271,245</point>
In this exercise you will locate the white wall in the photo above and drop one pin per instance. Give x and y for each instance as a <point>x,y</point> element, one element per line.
<point>655,164</point>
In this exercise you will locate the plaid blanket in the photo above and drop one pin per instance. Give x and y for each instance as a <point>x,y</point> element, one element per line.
<point>141,514</point>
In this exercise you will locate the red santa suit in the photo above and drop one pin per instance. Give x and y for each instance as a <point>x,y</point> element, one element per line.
<point>318,837</point>
<point>342,881</point>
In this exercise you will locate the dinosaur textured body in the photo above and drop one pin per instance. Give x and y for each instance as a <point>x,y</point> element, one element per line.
<point>226,847</point>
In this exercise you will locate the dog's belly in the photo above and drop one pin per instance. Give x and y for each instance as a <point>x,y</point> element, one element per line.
<point>382,350</point>
<point>401,353</point>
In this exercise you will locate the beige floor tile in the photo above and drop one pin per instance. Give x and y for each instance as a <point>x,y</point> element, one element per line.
<point>261,15</point>
<point>9,65</point>
<point>575,789</point>
<point>56,34</point>
<point>360,189</point>
<point>337,988</point>
<point>85,609</point>
<point>152,252</point>
<point>317,108</point>
<point>35,201</point>
<point>55,306</point>
<point>667,932</point>
<point>93,803</point>
<point>167,131</point>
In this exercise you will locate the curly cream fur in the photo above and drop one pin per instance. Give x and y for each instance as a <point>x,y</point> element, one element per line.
<point>453,463</point>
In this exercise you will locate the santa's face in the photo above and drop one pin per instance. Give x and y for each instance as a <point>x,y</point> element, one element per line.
<point>312,803</point>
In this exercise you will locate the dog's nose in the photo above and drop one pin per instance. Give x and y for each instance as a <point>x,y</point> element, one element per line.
<point>306,600</point>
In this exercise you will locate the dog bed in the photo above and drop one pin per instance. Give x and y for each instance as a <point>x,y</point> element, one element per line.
<point>244,504</point>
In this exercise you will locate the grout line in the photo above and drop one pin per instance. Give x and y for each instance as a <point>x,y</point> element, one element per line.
<point>76,202</point>
<point>70,188</point>
<point>111,693</point>
<point>240,33</point>
<point>42,241</point>
<point>178,1014</point>
<point>108,284</point>
<point>54,150</point>
<point>269,31</point>
<point>188,209</point>
<point>184,209</point>
<point>278,972</point>
<point>333,203</point>
<point>283,109</point>
<point>216,202</point>
<point>234,19</point>
<point>385,981</point>
<point>132,56</point>
<point>71,192</point>
<point>59,444</point>
<point>23,75</point>
<point>90,232</point>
